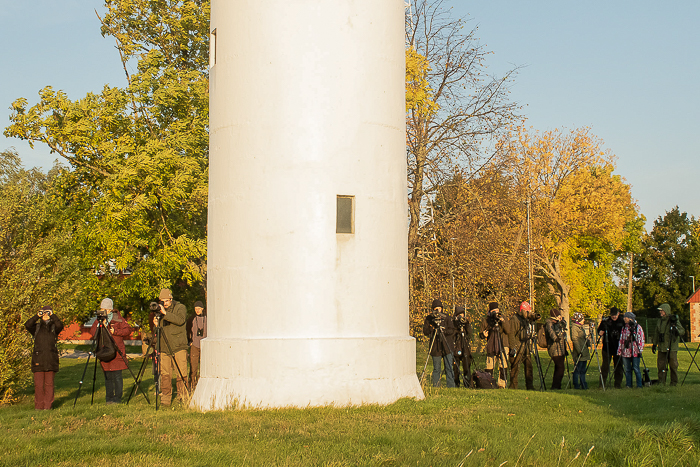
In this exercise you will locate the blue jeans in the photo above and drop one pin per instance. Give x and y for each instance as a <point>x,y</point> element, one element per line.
<point>580,375</point>
<point>449,373</point>
<point>632,363</point>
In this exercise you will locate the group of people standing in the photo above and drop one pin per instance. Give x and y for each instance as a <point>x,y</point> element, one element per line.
<point>177,335</point>
<point>513,341</point>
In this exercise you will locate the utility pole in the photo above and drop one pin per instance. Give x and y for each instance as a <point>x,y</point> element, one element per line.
<point>629,285</point>
<point>529,255</point>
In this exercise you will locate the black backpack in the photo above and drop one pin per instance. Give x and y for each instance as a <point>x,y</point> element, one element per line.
<point>483,380</point>
<point>105,351</point>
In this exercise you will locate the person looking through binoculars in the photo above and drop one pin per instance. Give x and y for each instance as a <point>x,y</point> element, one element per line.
<point>609,331</point>
<point>494,330</point>
<point>668,332</point>
<point>555,332</point>
<point>579,351</point>
<point>441,330</point>
<point>521,332</point>
<point>44,327</point>
<point>172,342</point>
<point>196,331</point>
<point>463,349</point>
<point>117,326</point>
<point>630,348</point>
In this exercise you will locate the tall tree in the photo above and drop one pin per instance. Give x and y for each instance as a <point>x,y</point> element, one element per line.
<point>136,184</point>
<point>670,256</point>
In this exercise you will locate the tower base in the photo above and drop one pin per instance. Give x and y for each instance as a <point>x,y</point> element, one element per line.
<point>308,372</point>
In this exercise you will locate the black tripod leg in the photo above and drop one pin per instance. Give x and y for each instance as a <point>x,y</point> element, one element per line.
<point>139,376</point>
<point>430,349</point>
<point>82,378</point>
<point>172,355</point>
<point>691,364</point>
<point>94,379</point>
<point>126,362</point>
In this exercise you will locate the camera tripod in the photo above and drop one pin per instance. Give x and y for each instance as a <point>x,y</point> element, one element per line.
<point>463,356</point>
<point>529,347</point>
<point>101,328</point>
<point>154,349</point>
<point>692,361</point>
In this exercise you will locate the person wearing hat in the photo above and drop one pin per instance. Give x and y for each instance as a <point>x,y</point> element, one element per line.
<point>440,328</point>
<point>44,328</point>
<point>609,331</point>
<point>630,348</point>
<point>463,348</point>
<point>521,328</point>
<point>579,351</point>
<point>119,329</point>
<point>668,332</point>
<point>555,331</point>
<point>196,331</point>
<point>173,346</point>
<point>495,330</point>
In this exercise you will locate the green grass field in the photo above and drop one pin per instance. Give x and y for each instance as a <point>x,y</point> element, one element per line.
<point>451,427</point>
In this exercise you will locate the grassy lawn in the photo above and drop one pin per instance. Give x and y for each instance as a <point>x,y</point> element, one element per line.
<point>451,427</point>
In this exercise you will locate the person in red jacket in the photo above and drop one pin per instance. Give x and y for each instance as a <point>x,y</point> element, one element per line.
<point>119,329</point>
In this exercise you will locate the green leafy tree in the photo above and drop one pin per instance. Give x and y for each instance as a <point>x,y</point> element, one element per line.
<point>136,182</point>
<point>37,264</point>
<point>670,255</point>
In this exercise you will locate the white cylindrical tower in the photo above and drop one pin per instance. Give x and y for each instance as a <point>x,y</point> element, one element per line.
<point>307,261</point>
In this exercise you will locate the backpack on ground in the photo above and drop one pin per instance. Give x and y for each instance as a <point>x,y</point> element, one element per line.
<point>483,380</point>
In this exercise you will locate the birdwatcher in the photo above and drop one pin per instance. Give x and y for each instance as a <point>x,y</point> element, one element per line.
<point>196,331</point>
<point>119,329</point>
<point>439,327</point>
<point>669,331</point>
<point>44,328</point>
<point>555,332</point>
<point>463,350</point>
<point>630,348</point>
<point>609,331</point>
<point>521,331</point>
<point>173,346</point>
<point>579,351</point>
<point>494,330</point>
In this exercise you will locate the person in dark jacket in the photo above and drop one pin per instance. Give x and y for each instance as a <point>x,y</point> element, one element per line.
<point>555,331</point>
<point>44,327</point>
<point>609,331</point>
<point>665,339</point>
<point>441,330</point>
<point>173,347</point>
<point>196,331</point>
<point>494,330</point>
<point>463,348</point>
<point>579,351</point>
<point>521,329</point>
<point>119,329</point>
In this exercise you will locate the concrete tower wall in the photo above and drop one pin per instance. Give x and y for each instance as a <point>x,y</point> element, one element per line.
<point>307,103</point>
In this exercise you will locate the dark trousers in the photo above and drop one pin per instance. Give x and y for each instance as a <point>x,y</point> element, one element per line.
<point>195,355</point>
<point>114,386</point>
<point>617,368</point>
<point>437,372</point>
<point>521,357</point>
<point>466,374</point>
<point>670,359</point>
<point>558,371</point>
<point>43,389</point>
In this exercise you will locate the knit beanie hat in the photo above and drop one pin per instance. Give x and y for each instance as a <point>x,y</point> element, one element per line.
<point>493,306</point>
<point>578,317</point>
<point>525,306</point>
<point>198,304</point>
<point>459,310</point>
<point>107,304</point>
<point>165,294</point>
<point>555,312</point>
<point>614,311</point>
<point>47,308</point>
<point>630,315</point>
<point>436,303</point>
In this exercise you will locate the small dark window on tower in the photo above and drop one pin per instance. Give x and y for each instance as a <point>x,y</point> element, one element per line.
<point>212,48</point>
<point>345,219</point>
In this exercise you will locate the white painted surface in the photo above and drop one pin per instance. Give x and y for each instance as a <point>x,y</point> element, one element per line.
<point>307,103</point>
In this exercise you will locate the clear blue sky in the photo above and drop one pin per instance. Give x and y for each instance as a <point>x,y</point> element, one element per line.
<point>629,70</point>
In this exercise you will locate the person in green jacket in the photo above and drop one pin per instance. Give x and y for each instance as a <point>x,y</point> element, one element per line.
<point>580,354</point>
<point>173,347</point>
<point>668,332</point>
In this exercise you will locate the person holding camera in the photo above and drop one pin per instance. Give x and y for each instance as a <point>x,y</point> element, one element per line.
<point>580,352</point>
<point>668,332</point>
<point>463,348</point>
<point>44,327</point>
<point>555,332</point>
<point>171,317</point>
<point>521,329</point>
<point>630,348</point>
<point>119,329</point>
<point>609,331</point>
<point>441,330</point>
<point>494,330</point>
<point>196,331</point>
